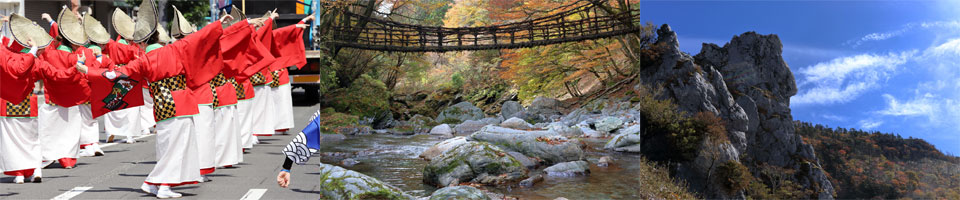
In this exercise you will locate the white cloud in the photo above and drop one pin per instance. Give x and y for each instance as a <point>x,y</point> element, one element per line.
<point>879,36</point>
<point>833,117</point>
<point>937,109</point>
<point>937,98</point>
<point>870,124</point>
<point>922,106</point>
<point>846,78</point>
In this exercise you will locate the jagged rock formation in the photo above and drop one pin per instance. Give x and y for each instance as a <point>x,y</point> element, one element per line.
<point>747,83</point>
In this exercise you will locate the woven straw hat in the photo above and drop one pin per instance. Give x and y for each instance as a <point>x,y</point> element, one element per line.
<point>122,23</point>
<point>24,29</point>
<point>164,36</point>
<point>141,29</point>
<point>267,15</point>
<point>95,31</point>
<point>179,25</point>
<point>237,16</point>
<point>71,28</point>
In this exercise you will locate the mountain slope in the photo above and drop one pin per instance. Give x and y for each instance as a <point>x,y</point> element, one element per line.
<point>879,165</point>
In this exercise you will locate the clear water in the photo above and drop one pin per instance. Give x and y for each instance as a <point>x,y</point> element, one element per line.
<point>394,159</point>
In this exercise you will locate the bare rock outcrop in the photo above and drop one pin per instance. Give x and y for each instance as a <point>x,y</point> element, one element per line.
<point>748,84</point>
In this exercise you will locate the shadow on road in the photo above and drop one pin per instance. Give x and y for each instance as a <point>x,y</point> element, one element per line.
<point>305,191</point>
<point>138,175</point>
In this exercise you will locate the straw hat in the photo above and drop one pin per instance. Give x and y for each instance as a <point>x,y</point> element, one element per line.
<point>267,15</point>
<point>95,31</point>
<point>164,36</point>
<point>179,25</point>
<point>71,28</point>
<point>237,16</point>
<point>141,29</point>
<point>24,29</point>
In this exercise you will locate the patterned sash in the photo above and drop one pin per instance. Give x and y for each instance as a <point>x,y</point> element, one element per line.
<point>258,79</point>
<point>276,78</point>
<point>162,92</point>
<point>21,109</point>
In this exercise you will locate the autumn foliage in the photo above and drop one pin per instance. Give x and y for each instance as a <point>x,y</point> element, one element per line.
<point>879,165</point>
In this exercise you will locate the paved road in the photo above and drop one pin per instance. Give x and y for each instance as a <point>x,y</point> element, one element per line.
<point>119,174</point>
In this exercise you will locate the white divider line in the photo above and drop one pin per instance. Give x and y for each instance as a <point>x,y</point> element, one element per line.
<point>254,194</point>
<point>72,193</point>
<point>121,140</point>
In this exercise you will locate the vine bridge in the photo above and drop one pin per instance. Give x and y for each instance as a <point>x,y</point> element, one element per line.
<point>578,21</point>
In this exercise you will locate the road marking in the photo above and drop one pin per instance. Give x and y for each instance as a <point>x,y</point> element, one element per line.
<point>254,194</point>
<point>120,141</point>
<point>72,193</point>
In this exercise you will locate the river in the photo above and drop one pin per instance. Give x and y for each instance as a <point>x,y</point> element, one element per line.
<point>394,159</point>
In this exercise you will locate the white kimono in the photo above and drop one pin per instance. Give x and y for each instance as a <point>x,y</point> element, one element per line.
<point>206,136</point>
<point>59,130</point>
<point>228,145</point>
<point>263,109</point>
<point>125,122</point>
<point>283,107</point>
<point>177,159</point>
<point>245,115</point>
<point>146,112</point>
<point>90,130</point>
<point>19,144</point>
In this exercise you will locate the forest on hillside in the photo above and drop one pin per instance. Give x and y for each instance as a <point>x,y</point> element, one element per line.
<point>864,164</point>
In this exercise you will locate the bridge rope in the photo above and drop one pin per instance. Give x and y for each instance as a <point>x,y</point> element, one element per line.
<point>581,21</point>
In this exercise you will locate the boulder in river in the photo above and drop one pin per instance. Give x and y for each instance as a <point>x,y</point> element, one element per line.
<point>608,124</point>
<point>445,145</point>
<point>588,132</point>
<point>564,130</point>
<point>339,183</point>
<point>476,162</point>
<point>349,162</point>
<point>533,180</point>
<point>460,112</point>
<point>469,126</point>
<point>516,123</point>
<point>572,168</point>
<point>458,193</point>
<point>627,141</point>
<point>605,161</point>
<point>548,146</point>
<point>510,109</point>
<point>442,129</point>
<point>491,120</point>
<point>527,161</point>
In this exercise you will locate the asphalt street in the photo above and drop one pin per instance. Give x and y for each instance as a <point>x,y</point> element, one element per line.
<point>119,174</point>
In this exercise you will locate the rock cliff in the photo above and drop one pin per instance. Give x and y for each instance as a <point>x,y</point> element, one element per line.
<point>748,84</point>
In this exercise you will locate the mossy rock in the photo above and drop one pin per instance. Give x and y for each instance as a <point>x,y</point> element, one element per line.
<point>477,162</point>
<point>331,121</point>
<point>459,193</point>
<point>460,112</point>
<point>366,97</point>
<point>339,183</point>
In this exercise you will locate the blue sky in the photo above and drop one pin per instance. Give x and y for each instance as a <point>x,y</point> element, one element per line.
<point>888,66</point>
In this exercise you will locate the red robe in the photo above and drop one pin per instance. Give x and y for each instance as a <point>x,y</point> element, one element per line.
<point>62,82</point>
<point>260,59</point>
<point>265,39</point>
<point>234,44</point>
<point>16,75</point>
<point>123,93</point>
<point>175,70</point>
<point>16,84</point>
<point>289,49</point>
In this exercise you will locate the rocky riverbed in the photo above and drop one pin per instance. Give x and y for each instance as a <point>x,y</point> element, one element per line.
<point>393,159</point>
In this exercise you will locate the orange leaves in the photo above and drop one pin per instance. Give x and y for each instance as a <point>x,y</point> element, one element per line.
<point>553,141</point>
